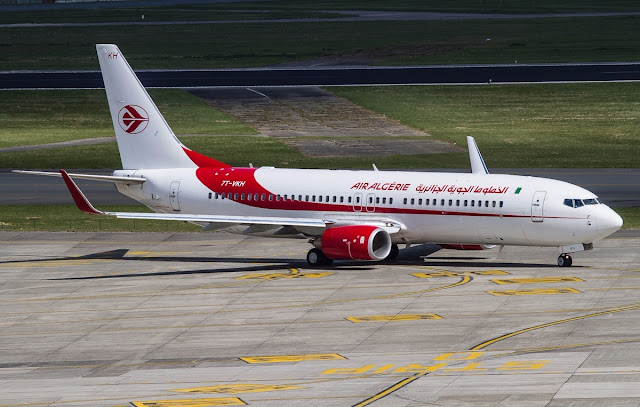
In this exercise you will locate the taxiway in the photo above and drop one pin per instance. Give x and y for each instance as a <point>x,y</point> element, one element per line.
<point>162,319</point>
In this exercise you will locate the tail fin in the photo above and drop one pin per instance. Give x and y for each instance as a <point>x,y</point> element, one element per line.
<point>145,140</point>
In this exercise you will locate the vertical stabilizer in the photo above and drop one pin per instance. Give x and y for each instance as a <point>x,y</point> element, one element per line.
<point>477,163</point>
<point>145,140</point>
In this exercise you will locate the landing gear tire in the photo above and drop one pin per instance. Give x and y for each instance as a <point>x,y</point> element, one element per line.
<point>315,258</point>
<point>393,254</point>
<point>564,260</point>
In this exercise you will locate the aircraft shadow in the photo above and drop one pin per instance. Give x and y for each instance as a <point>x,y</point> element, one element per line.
<point>415,256</point>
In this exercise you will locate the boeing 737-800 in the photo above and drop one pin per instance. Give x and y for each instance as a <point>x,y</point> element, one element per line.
<point>346,214</point>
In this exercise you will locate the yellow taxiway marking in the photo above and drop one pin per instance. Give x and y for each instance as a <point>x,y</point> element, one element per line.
<point>277,276</point>
<point>446,273</point>
<point>537,291</point>
<point>401,317</point>
<point>562,321</point>
<point>240,388</point>
<point>222,401</point>
<point>291,358</point>
<point>536,280</point>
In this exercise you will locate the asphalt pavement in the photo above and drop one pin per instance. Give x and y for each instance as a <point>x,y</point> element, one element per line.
<point>335,76</point>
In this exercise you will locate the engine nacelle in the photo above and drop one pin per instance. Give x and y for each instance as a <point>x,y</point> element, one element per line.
<point>356,242</point>
<point>467,246</point>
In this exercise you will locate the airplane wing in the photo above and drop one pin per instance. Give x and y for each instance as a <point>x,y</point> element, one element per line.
<point>84,205</point>
<point>104,178</point>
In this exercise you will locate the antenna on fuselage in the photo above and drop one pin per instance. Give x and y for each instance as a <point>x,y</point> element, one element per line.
<point>374,167</point>
<point>477,163</point>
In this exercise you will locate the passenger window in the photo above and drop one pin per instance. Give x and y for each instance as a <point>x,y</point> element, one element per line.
<point>404,201</point>
<point>473,202</point>
<point>413,201</point>
<point>442,202</point>
<point>335,198</point>
<point>419,201</point>
<point>465,202</point>
<point>319,198</point>
<point>390,201</point>
<point>493,204</point>
<point>457,202</point>
<point>450,202</point>
<point>313,198</point>
<point>501,203</point>
<point>235,196</point>
<point>384,200</point>
<point>210,195</point>
<point>341,199</point>
<point>434,202</point>
<point>349,200</point>
<point>248,197</point>
<point>377,200</point>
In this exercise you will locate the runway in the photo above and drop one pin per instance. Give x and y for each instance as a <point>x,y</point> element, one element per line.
<point>113,319</point>
<point>335,76</point>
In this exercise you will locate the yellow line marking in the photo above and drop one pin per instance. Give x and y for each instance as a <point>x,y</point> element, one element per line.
<point>389,390</point>
<point>277,276</point>
<point>291,358</point>
<point>240,388</point>
<point>562,321</point>
<point>575,345</point>
<point>537,280</point>
<point>446,273</point>
<point>402,317</point>
<point>539,291</point>
<point>222,401</point>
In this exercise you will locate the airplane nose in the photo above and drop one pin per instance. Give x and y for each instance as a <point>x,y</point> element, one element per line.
<point>609,222</point>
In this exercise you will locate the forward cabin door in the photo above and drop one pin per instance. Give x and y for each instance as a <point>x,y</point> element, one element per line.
<point>537,206</point>
<point>174,191</point>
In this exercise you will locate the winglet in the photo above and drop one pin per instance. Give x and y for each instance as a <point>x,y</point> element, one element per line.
<point>81,201</point>
<point>477,163</point>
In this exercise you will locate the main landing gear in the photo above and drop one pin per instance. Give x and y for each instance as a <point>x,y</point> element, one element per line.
<point>564,260</point>
<point>315,258</point>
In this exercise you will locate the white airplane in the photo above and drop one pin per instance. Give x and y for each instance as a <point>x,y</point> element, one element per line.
<point>346,214</point>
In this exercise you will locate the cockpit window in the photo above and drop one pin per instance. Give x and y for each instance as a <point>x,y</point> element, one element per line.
<point>577,203</point>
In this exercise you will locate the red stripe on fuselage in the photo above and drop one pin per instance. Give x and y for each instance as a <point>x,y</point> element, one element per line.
<point>240,181</point>
<point>203,161</point>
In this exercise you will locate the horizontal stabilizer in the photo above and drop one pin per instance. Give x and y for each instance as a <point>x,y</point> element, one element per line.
<point>104,178</point>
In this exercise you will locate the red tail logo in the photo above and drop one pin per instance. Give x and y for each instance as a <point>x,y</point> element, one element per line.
<point>133,119</point>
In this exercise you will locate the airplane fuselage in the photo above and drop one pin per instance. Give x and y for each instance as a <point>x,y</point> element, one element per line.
<point>455,208</point>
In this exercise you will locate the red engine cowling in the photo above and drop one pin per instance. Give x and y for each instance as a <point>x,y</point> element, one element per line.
<point>467,246</point>
<point>357,242</point>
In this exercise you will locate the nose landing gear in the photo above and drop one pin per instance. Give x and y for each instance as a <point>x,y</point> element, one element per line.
<point>564,260</point>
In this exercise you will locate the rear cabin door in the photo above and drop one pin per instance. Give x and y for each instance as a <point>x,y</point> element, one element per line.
<point>174,193</point>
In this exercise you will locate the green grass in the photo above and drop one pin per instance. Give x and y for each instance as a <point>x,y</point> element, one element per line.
<point>386,42</point>
<point>516,126</point>
<point>521,126</point>
<point>38,117</point>
<point>68,218</point>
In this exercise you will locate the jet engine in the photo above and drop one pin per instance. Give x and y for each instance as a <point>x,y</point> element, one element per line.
<point>357,242</point>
